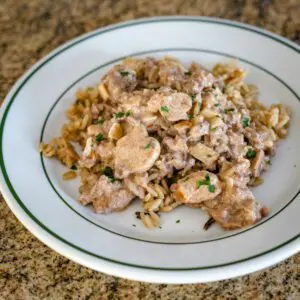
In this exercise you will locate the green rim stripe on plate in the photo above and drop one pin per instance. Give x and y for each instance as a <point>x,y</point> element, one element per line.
<point>79,40</point>
<point>146,53</point>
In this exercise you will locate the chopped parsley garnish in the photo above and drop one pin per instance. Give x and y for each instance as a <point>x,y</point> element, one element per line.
<point>251,153</point>
<point>188,73</point>
<point>171,181</point>
<point>227,110</point>
<point>213,129</point>
<point>124,73</point>
<point>99,137</point>
<point>100,121</point>
<point>190,116</point>
<point>193,96</point>
<point>268,162</point>
<point>211,188</point>
<point>246,122</point>
<point>121,114</point>
<point>217,105</point>
<point>147,146</point>
<point>74,167</point>
<point>108,172</point>
<point>177,221</point>
<point>204,182</point>
<point>164,108</point>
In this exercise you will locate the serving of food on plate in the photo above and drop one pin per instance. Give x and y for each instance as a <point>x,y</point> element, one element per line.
<point>184,129</point>
<point>170,136</point>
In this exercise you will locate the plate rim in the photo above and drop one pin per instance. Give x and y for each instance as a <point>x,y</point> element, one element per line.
<point>42,232</point>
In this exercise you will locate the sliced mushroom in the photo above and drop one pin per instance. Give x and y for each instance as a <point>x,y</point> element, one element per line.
<point>182,127</point>
<point>176,106</point>
<point>197,187</point>
<point>198,131</point>
<point>136,152</point>
<point>175,145</point>
<point>89,158</point>
<point>115,132</point>
<point>148,118</point>
<point>205,154</point>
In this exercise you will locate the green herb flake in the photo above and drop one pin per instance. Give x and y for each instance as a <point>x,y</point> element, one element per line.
<point>119,115</point>
<point>268,162</point>
<point>199,183</point>
<point>188,73</point>
<point>100,121</point>
<point>108,172</point>
<point>190,116</point>
<point>213,129</point>
<point>193,96</point>
<point>147,146</point>
<point>246,122</point>
<point>217,105</point>
<point>164,108</point>
<point>74,167</point>
<point>177,221</point>
<point>211,188</point>
<point>129,113</point>
<point>124,73</point>
<point>99,138</point>
<point>251,153</point>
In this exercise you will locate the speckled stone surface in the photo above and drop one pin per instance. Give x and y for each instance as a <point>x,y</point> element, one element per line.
<point>28,31</point>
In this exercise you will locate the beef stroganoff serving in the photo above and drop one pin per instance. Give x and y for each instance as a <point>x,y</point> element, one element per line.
<point>170,136</point>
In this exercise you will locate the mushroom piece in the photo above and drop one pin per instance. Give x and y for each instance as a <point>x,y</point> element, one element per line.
<point>88,158</point>
<point>135,152</point>
<point>205,154</point>
<point>197,187</point>
<point>175,106</point>
<point>115,132</point>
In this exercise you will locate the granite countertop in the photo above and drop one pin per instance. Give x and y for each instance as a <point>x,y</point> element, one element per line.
<point>29,30</point>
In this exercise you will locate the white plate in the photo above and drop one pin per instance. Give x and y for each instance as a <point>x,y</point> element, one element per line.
<point>179,252</point>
